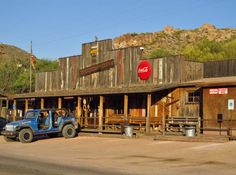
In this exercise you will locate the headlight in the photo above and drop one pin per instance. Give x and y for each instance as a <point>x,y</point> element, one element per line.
<point>10,127</point>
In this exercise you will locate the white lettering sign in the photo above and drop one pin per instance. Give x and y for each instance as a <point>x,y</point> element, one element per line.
<point>143,70</point>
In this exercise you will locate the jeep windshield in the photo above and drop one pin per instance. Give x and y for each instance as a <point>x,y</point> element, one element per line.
<point>31,114</point>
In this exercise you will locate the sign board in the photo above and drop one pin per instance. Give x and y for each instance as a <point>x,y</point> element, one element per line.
<point>94,51</point>
<point>218,91</point>
<point>223,90</point>
<point>213,91</point>
<point>230,104</point>
<point>144,70</point>
<point>97,68</point>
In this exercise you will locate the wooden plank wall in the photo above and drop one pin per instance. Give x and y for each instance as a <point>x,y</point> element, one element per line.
<point>220,68</point>
<point>192,71</point>
<point>215,104</point>
<point>122,74</point>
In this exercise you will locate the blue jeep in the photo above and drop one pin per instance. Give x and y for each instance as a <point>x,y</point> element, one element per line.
<point>49,122</point>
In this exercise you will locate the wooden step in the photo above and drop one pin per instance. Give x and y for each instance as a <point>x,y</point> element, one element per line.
<point>201,138</point>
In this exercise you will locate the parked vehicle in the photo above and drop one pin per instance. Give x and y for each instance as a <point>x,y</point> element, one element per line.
<point>36,122</point>
<point>3,122</point>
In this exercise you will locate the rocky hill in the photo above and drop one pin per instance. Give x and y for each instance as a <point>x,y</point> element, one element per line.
<point>12,53</point>
<point>172,41</point>
<point>14,69</point>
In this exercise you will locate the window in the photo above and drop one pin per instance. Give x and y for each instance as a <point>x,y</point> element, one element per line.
<point>193,97</point>
<point>4,103</point>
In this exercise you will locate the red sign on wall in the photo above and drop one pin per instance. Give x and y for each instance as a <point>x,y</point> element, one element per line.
<point>218,91</point>
<point>144,70</point>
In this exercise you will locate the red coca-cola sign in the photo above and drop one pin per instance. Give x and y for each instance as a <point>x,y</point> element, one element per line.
<point>144,70</point>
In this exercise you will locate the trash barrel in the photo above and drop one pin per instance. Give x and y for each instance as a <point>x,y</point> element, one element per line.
<point>128,130</point>
<point>190,131</point>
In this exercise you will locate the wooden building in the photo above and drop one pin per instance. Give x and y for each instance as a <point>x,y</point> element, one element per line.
<point>3,105</point>
<point>107,88</point>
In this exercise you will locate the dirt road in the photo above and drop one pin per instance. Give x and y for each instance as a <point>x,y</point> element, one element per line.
<point>96,155</point>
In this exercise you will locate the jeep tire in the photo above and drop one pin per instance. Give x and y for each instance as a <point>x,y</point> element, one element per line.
<point>25,136</point>
<point>69,131</point>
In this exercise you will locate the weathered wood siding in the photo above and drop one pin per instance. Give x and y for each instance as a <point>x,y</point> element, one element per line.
<point>214,104</point>
<point>192,71</point>
<point>220,68</point>
<point>114,68</point>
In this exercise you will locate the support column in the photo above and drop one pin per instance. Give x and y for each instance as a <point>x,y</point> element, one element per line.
<point>163,119</point>
<point>126,102</point>
<point>59,102</point>
<point>100,119</point>
<point>42,103</point>
<point>14,110</point>
<point>79,110</point>
<point>85,108</point>
<point>26,105</point>
<point>149,101</point>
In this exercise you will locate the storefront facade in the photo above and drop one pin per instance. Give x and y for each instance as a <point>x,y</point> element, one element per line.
<point>107,88</point>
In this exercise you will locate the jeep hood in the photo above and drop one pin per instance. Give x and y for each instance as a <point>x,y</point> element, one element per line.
<point>21,122</point>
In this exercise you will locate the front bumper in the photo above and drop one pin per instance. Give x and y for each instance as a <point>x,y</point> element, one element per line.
<point>9,133</point>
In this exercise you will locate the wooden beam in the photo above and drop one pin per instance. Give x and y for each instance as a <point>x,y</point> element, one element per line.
<point>26,105</point>
<point>14,110</point>
<point>79,110</point>
<point>85,108</point>
<point>59,102</point>
<point>100,117</point>
<point>149,101</point>
<point>126,106</point>
<point>163,118</point>
<point>42,103</point>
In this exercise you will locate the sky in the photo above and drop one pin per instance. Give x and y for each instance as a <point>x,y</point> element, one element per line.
<point>57,28</point>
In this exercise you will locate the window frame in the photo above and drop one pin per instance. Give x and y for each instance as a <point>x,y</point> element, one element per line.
<point>194,96</point>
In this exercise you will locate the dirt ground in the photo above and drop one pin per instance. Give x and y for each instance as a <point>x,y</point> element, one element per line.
<point>118,156</point>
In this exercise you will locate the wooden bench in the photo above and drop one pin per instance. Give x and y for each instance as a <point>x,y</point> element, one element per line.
<point>227,130</point>
<point>181,122</point>
<point>141,121</point>
<point>119,120</point>
<point>115,121</point>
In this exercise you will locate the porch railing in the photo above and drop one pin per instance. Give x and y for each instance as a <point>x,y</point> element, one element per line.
<point>168,125</point>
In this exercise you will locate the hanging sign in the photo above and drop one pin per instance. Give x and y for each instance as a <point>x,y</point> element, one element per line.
<point>94,51</point>
<point>144,70</point>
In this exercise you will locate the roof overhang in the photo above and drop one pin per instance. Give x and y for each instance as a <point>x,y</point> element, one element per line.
<point>97,91</point>
<point>204,82</point>
<point>211,82</point>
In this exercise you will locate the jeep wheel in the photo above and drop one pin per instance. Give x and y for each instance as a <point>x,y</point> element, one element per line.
<point>9,139</point>
<point>25,136</point>
<point>69,131</point>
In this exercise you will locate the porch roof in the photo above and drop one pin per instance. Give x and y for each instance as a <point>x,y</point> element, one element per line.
<point>100,91</point>
<point>204,82</point>
<point>211,82</point>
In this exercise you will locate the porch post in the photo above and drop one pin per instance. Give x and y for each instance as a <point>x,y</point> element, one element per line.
<point>59,102</point>
<point>149,100</point>
<point>79,110</point>
<point>163,118</point>
<point>100,119</point>
<point>42,103</point>
<point>14,110</point>
<point>126,107</point>
<point>26,105</point>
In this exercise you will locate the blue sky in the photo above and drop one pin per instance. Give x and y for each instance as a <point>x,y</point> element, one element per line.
<point>59,27</point>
